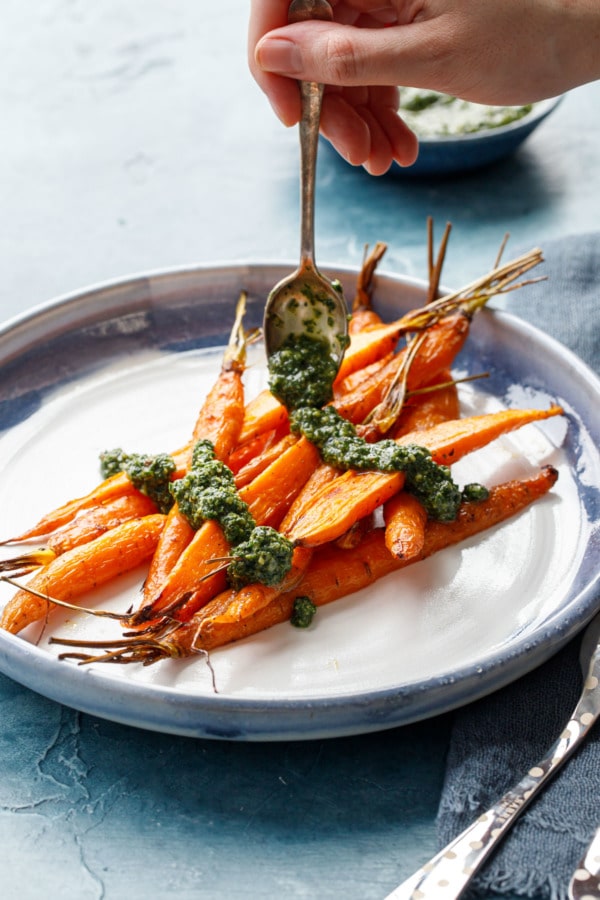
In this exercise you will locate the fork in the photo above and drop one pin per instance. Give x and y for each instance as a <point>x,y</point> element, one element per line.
<point>585,880</point>
<point>447,875</point>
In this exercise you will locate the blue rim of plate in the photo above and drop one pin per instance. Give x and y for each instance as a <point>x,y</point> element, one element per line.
<point>219,717</point>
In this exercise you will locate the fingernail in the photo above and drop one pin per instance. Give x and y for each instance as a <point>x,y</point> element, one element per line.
<point>279,56</point>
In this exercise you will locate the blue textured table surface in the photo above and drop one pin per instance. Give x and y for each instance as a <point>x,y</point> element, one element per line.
<point>134,139</point>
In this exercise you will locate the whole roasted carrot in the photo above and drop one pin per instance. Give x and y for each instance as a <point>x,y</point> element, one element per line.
<point>84,527</point>
<point>356,494</point>
<point>84,568</point>
<point>219,421</point>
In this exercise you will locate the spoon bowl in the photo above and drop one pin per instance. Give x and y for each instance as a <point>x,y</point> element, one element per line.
<point>306,304</point>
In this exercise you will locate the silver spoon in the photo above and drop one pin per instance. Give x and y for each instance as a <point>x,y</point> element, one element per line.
<point>305,303</point>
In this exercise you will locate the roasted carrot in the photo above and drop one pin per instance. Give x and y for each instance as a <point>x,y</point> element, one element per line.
<point>245,453</point>
<point>438,351</point>
<point>371,560</point>
<point>405,521</point>
<point>262,461</point>
<point>263,413</point>
<point>84,568</point>
<point>219,421</point>
<point>405,516</point>
<point>334,573</point>
<point>423,410</point>
<point>235,607</point>
<point>355,494</point>
<point>199,568</point>
<point>175,537</point>
<point>270,495</point>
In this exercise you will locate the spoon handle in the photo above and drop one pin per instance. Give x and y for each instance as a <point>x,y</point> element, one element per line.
<point>311,94</point>
<point>448,874</point>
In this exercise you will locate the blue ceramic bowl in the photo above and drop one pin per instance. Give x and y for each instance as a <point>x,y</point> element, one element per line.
<point>459,153</point>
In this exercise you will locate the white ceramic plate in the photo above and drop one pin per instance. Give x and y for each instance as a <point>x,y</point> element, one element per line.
<point>128,364</point>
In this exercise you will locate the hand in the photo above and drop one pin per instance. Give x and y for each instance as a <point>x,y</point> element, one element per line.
<point>489,52</point>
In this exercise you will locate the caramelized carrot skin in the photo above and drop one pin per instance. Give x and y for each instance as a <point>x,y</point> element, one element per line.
<point>174,539</point>
<point>89,524</point>
<point>425,410</point>
<point>84,568</point>
<point>195,568</point>
<point>222,415</point>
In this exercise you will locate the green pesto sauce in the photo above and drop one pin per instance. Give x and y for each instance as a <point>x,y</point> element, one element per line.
<point>208,491</point>
<point>303,612</point>
<point>302,372</point>
<point>151,475</point>
<point>265,557</point>
<point>340,446</point>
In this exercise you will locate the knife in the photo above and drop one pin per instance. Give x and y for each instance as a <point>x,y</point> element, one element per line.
<point>585,880</point>
<point>447,875</point>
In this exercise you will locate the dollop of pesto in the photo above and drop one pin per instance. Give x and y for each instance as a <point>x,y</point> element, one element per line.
<point>208,491</point>
<point>340,446</point>
<point>265,557</point>
<point>149,474</point>
<point>475,493</point>
<point>303,612</point>
<point>302,372</point>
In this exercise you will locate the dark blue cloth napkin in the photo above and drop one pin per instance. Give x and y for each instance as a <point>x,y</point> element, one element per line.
<point>496,740</point>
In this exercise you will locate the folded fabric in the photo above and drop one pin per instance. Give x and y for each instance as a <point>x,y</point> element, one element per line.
<point>496,740</point>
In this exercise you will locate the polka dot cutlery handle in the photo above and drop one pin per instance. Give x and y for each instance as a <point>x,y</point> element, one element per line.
<point>585,881</point>
<point>448,874</point>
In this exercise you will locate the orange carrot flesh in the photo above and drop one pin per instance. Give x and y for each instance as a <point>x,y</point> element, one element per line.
<point>270,495</point>
<point>221,623</point>
<point>222,415</point>
<point>404,515</point>
<point>84,568</point>
<point>245,453</point>
<point>440,347</point>
<point>371,561</point>
<point>199,568</point>
<point>174,539</point>
<point>333,573</point>
<point>356,494</point>
<point>424,410</point>
<point>263,413</point>
<point>88,524</point>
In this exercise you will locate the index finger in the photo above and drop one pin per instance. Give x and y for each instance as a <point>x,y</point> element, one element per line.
<point>283,94</point>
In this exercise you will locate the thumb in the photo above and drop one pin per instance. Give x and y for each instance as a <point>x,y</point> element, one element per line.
<point>344,55</point>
